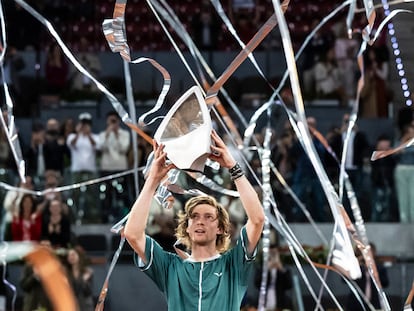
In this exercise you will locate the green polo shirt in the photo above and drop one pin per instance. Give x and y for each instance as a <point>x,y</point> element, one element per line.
<point>218,284</point>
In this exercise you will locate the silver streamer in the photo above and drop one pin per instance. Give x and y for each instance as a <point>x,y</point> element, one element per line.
<point>104,291</point>
<point>370,14</point>
<point>133,114</point>
<point>121,46</point>
<point>379,154</point>
<point>344,244</point>
<point>114,31</point>
<point>350,18</point>
<point>220,11</point>
<point>379,5</point>
<point>4,250</point>
<point>385,21</point>
<point>11,133</point>
<point>114,101</point>
<point>198,58</point>
<point>295,247</point>
<point>9,126</point>
<point>306,42</point>
<point>45,192</point>
<point>408,301</point>
<point>267,191</point>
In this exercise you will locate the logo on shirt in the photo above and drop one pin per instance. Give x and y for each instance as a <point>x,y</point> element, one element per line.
<point>217,274</point>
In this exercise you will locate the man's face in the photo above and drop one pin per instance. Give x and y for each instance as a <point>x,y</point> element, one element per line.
<point>203,225</point>
<point>85,126</point>
<point>384,145</point>
<point>112,121</point>
<point>38,137</point>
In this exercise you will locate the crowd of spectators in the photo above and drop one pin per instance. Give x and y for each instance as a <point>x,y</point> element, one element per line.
<point>59,154</point>
<point>327,67</point>
<point>84,18</point>
<point>78,269</point>
<point>76,154</point>
<point>381,186</point>
<point>67,152</point>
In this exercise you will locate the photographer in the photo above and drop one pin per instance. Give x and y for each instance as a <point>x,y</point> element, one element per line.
<point>83,146</point>
<point>114,159</point>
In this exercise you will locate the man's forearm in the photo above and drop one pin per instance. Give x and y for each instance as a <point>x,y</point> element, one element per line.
<point>253,207</point>
<point>250,200</point>
<point>138,217</point>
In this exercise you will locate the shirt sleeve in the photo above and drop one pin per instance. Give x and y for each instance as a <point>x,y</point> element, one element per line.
<point>124,141</point>
<point>241,257</point>
<point>98,142</point>
<point>71,136</point>
<point>157,263</point>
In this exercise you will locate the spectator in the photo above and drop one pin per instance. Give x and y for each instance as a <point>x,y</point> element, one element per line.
<point>7,160</point>
<point>56,70</point>
<point>56,226</point>
<point>305,182</point>
<point>11,205</point>
<point>206,29</point>
<point>27,223</point>
<point>245,27</point>
<point>161,222</point>
<point>144,148</point>
<point>319,44</point>
<point>237,215</point>
<point>35,157</point>
<point>6,290</point>
<point>382,181</point>
<point>13,64</point>
<point>114,159</point>
<point>345,55</point>
<point>404,177</point>
<point>279,282</point>
<point>55,148</point>
<point>163,226</point>
<point>52,181</point>
<point>283,162</point>
<point>358,152</point>
<point>67,127</point>
<point>327,78</point>
<point>280,154</point>
<point>404,117</point>
<point>243,4</point>
<point>23,31</point>
<point>5,152</point>
<point>89,59</point>
<point>80,277</point>
<point>34,297</point>
<point>375,95</point>
<point>83,146</point>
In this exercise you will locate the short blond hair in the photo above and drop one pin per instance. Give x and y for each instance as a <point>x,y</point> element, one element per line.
<point>223,239</point>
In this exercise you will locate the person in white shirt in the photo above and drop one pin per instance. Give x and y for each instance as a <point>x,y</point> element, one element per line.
<point>346,50</point>
<point>114,159</point>
<point>327,78</point>
<point>83,145</point>
<point>11,205</point>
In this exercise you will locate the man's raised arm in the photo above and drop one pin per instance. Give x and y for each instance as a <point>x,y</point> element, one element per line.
<point>137,221</point>
<point>248,195</point>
